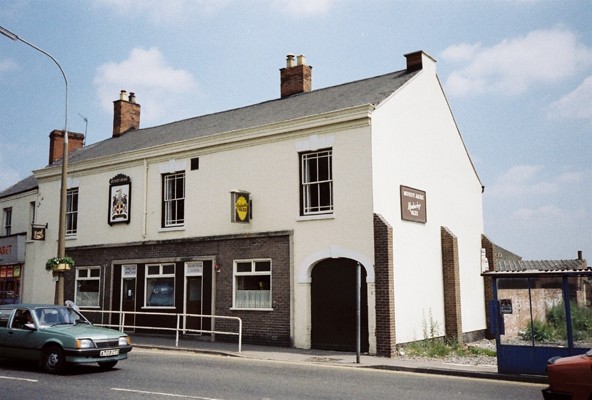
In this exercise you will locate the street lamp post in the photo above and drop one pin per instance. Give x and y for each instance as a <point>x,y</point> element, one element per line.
<point>59,297</point>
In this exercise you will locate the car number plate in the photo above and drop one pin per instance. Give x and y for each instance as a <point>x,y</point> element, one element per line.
<point>105,353</point>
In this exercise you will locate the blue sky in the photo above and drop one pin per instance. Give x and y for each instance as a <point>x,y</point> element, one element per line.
<point>517,74</point>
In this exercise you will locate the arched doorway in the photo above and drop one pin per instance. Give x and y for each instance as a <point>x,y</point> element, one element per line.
<point>333,299</point>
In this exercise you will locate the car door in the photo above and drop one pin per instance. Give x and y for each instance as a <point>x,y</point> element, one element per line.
<point>21,342</point>
<point>4,320</point>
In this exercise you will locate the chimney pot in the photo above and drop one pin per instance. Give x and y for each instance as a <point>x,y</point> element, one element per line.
<point>132,97</point>
<point>123,95</point>
<point>580,255</point>
<point>301,60</point>
<point>290,61</point>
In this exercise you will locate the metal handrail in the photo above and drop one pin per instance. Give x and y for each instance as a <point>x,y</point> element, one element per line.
<point>122,325</point>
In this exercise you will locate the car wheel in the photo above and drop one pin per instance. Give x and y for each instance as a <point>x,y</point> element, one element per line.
<point>106,365</point>
<point>53,360</point>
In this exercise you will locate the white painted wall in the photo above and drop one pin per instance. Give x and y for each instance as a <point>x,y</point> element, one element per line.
<point>416,143</point>
<point>270,172</point>
<point>37,283</point>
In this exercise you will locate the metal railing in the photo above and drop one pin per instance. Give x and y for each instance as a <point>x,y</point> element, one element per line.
<point>180,317</point>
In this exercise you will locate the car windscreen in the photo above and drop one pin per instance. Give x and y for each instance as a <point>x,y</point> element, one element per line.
<point>50,316</point>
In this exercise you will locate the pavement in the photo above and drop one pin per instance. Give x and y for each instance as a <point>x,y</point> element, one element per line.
<point>287,354</point>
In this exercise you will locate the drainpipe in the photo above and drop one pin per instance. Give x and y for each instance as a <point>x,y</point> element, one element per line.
<point>145,205</point>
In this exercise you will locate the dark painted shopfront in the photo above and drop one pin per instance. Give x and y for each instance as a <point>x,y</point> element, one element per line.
<point>240,276</point>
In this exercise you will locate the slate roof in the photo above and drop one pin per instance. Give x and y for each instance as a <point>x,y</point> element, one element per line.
<point>27,184</point>
<point>369,91</point>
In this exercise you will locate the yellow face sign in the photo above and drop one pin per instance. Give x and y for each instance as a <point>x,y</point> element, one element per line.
<point>242,208</point>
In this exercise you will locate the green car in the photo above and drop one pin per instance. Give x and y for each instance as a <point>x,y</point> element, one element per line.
<point>57,336</point>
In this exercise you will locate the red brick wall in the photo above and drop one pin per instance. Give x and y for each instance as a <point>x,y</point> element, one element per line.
<point>56,144</point>
<point>126,117</point>
<point>297,79</point>
<point>384,288</point>
<point>451,275</point>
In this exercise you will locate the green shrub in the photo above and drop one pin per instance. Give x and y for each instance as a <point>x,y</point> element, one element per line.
<point>541,332</point>
<point>555,326</point>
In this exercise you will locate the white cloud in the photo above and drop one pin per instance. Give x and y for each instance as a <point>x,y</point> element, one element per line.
<point>525,180</point>
<point>461,52</point>
<point>162,90</point>
<point>513,65</point>
<point>575,105</point>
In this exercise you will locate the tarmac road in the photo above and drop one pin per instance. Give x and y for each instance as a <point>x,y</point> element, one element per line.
<point>164,374</point>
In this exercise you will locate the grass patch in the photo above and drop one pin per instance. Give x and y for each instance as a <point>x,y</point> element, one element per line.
<point>440,348</point>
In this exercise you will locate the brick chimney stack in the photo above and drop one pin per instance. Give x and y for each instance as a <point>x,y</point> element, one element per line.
<point>296,77</point>
<point>56,144</point>
<point>126,114</point>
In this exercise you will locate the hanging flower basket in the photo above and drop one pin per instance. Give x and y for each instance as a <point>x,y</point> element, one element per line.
<point>59,264</point>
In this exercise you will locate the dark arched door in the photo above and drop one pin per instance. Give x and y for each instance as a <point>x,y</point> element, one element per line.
<point>333,297</point>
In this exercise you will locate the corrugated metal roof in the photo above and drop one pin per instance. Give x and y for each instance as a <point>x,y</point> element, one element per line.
<point>576,265</point>
<point>370,91</point>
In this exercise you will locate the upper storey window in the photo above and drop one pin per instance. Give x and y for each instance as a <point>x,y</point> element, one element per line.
<point>173,198</point>
<point>316,182</point>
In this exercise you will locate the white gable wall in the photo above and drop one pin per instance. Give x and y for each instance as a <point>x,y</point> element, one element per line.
<point>416,143</point>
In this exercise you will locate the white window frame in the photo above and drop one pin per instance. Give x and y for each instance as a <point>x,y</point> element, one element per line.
<point>72,200</point>
<point>163,272</point>
<point>170,202</point>
<point>316,191</point>
<point>7,223</point>
<point>257,301</point>
<point>86,274</point>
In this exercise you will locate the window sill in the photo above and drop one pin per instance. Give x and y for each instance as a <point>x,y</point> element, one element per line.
<point>172,229</point>
<point>250,309</point>
<point>71,237</point>
<point>159,308</point>
<point>315,217</point>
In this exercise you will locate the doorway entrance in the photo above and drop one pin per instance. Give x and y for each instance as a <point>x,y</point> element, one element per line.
<point>197,295</point>
<point>333,306</point>
<point>129,274</point>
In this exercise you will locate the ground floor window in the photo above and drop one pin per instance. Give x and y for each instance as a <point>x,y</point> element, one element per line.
<point>160,285</point>
<point>252,284</point>
<point>10,284</point>
<point>87,286</point>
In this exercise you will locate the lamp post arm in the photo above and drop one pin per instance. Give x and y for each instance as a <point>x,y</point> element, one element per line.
<point>64,186</point>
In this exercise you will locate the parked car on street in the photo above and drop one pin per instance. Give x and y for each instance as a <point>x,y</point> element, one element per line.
<point>57,336</point>
<point>570,378</point>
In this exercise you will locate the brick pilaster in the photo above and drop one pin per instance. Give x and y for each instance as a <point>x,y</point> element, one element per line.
<point>451,275</point>
<point>384,288</point>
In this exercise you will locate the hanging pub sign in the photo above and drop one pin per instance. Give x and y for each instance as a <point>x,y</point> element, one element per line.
<point>120,199</point>
<point>38,232</point>
<point>240,206</point>
<point>413,205</point>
